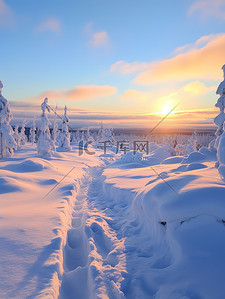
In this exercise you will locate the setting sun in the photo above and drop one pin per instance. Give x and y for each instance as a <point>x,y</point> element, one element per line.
<point>167,107</point>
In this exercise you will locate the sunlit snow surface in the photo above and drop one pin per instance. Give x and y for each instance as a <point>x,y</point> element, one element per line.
<point>112,230</point>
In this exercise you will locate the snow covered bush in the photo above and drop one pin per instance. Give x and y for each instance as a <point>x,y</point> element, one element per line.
<point>45,145</point>
<point>7,142</point>
<point>64,136</point>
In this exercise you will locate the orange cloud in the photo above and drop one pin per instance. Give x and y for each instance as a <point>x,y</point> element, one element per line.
<point>202,41</point>
<point>125,68</point>
<point>78,93</point>
<point>99,39</point>
<point>90,92</point>
<point>192,89</point>
<point>208,8</point>
<point>50,25</point>
<point>203,63</point>
<point>198,88</point>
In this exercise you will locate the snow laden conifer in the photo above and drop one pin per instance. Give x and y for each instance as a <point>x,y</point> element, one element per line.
<point>89,136</point>
<point>33,132</point>
<point>16,136</point>
<point>105,134</point>
<point>64,137</point>
<point>7,142</point>
<point>55,131</point>
<point>219,121</point>
<point>45,144</point>
<point>23,136</point>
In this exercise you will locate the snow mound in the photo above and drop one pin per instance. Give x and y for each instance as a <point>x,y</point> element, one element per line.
<point>195,166</point>
<point>8,185</point>
<point>210,155</point>
<point>29,165</point>
<point>129,157</point>
<point>48,182</point>
<point>194,158</point>
<point>173,160</point>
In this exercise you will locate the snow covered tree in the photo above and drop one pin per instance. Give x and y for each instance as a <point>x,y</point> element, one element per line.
<point>219,121</point>
<point>45,144</point>
<point>16,136</point>
<point>75,136</point>
<point>7,142</point>
<point>23,137</point>
<point>55,131</point>
<point>64,137</point>
<point>33,132</point>
<point>89,136</point>
<point>106,134</point>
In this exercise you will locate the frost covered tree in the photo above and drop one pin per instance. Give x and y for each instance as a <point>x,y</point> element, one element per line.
<point>89,136</point>
<point>45,144</point>
<point>105,134</point>
<point>219,121</point>
<point>7,142</point>
<point>75,136</point>
<point>55,131</point>
<point>23,136</point>
<point>64,137</point>
<point>16,136</point>
<point>33,132</point>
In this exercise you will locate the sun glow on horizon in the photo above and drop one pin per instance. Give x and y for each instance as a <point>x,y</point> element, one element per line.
<point>167,107</point>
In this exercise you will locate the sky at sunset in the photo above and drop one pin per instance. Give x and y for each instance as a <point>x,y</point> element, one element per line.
<point>123,62</point>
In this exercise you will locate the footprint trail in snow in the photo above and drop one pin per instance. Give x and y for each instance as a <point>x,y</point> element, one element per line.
<point>94,258</point>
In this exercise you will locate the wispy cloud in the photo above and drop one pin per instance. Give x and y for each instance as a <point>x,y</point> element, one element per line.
<point>201,42</point>
<point>7,16</point>
<point>126,68</point>
<point>90,92</point>
<point>97,39</point>
<point>78,93</point>
<point>208,9</point>
<point>200,63</point>
<point>198,88</point>
<point>50,25</point>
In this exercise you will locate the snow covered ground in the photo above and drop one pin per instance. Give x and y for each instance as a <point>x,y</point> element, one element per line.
<point>151,227</point>
<point>33,229</point>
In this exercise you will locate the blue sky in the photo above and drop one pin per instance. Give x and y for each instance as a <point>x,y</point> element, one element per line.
<point>57,46</point>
